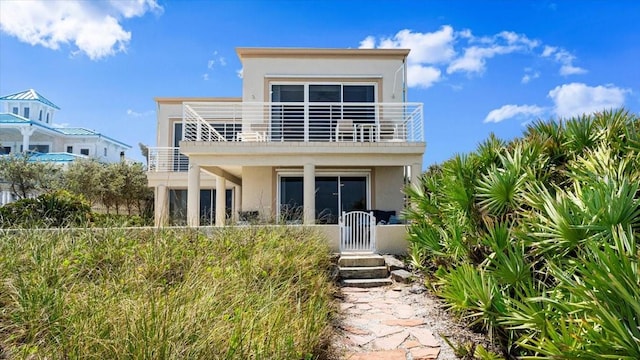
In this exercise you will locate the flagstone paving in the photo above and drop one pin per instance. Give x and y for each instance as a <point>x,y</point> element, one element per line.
<point>387,323</point>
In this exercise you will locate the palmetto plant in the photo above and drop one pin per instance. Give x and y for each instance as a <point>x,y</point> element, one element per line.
<point>536,240</point>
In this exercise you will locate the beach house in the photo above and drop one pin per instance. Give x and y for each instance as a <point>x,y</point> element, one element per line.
<point>315,135</point>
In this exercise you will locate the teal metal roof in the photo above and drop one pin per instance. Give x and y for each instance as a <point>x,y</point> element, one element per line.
<point>54,157</point>
<point>77,131</point>
<point>29,95</point>
<point>9,118</point>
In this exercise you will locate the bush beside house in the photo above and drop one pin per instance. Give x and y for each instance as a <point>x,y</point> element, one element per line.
<point>535,241</point>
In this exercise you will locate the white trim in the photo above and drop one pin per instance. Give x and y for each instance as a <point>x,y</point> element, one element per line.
<point>324,76</point>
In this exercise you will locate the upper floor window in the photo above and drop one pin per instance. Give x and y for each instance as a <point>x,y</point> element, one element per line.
<point>47,118</point>
<point>15,110</point>
<point>329,107</point>
<point>70,149</point>
<point>40,116</point>
<point>105,152</point>
<point>84,152</point>
<point>26,112</point>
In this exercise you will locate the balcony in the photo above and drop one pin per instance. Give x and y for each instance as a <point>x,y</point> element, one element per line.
<point>162,159</point>
<point>302,122</point>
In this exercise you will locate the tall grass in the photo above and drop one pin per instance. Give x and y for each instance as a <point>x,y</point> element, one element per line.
<point>250,293</point>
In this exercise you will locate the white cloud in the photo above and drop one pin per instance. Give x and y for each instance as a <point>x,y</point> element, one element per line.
<point>422,76</point>
<point>447,51</point>
<point>92,27</point>
<point>426,48</point>
<point>575,99</point>
<point>137,114</point>
<point>205,77</point>
<point>548,50</point>
<point>564,58</point>
<point>474,57</point>
<point>512,111</point>
<point>529,74</point>
<point>569,69</point>
<point>368,43</point>
<point>240,73</point>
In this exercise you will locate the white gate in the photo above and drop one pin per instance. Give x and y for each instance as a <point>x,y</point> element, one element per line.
<point>357,232</point>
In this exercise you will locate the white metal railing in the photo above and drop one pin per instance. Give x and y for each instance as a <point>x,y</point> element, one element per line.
<point>166,159</point>
<point>357,231</point>
<point>302,122</point>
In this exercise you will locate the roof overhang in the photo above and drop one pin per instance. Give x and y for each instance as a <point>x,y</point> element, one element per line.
<point>315,53</point>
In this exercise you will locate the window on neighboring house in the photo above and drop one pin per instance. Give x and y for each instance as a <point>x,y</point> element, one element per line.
<point>40,116</point>
<point>37,148</point>
<point>105,152</point>
<point>26,112</point>
<point>15,110</point>
<point>70,149</point>
<point>84,152</point>
<point>47,118</point>
<point>5,150</point>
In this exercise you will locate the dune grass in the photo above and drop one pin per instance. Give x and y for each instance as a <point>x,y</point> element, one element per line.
<point>251,293</point>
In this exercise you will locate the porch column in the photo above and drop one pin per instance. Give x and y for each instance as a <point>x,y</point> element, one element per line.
<point>193,195</point>
<point>309,194</point>
<point>221,200</point>
<point>416,171</point>
<point>161,206</point>
<point>26,132</point>
<point>237,202</point>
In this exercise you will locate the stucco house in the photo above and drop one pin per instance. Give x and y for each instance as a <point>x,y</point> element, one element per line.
<point>27,124</point>
<point>316,133</point>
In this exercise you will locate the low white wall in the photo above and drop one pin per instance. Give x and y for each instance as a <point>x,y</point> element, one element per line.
<point>390,239</point>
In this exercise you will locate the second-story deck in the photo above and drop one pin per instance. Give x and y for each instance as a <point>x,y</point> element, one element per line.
<point>301,122</point>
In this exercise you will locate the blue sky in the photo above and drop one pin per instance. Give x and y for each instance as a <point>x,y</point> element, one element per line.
<point>478,66</point>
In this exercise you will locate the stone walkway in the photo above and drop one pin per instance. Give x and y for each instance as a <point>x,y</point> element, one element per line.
<point>389,323</point>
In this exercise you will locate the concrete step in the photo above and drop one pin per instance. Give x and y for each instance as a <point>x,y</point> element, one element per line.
<point>364,272</point>
<point>360,260</point>
<point>366,283</point>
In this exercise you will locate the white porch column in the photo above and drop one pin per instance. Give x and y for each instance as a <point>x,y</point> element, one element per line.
<point>237,202</point>
<point>221,200</point>
<point>416,171</point>
<point>193,195</point>
<point>161,206</point>
<point>309,194</point>
<point>26,132</point>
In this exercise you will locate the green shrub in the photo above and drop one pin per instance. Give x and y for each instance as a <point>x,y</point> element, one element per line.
<point>56,209</point>
<point>535,240</point>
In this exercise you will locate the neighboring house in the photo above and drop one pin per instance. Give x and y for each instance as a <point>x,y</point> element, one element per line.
<point>26,123</point>
<point>315,133</point>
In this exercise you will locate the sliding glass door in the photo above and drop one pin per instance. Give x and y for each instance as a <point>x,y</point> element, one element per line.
<point>323,105</point>
<point>287,120</point>
<point>333,194</point>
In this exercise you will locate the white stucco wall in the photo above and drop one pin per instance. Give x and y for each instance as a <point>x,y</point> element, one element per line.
<point>388,185</point>
<point>258,190</point>
<point>257,72</point>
